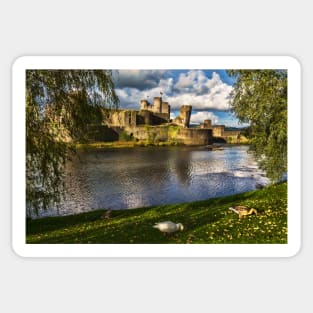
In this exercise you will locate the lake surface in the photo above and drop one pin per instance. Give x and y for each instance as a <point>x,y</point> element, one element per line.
<point>129,178</point>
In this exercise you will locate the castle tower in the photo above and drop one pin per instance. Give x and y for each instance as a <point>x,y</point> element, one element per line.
<point>185,113</point>
<point>207,124</point>
<point>218,130</point>
<point>144,104</point>
<point>165,108</point>
<point>184,116</point>
<point>157,104</point>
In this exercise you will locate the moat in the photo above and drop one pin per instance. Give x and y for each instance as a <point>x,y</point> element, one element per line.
<point>130,178</point>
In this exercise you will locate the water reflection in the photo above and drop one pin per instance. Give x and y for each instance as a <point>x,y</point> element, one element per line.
<point>129,178</point>
<point>183,167</point>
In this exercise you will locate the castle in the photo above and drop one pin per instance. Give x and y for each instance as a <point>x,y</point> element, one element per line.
<point>157,113</point>
<point>219,131</point>
<point>152,123</point>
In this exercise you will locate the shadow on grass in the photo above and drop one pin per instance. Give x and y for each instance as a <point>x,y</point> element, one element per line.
<point>34,226</point>
<point>132,226</point>
<point>207,221</point>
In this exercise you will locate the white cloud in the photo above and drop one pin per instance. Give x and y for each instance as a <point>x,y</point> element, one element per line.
<point>193,88</point>
<point>173,115</point>
<point>193,81</point>
<point>219,101</point>
<point>199,117</point>
<point>130,97</point>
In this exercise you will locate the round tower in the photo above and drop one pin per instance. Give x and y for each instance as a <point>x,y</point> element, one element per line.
<point>185,113</point>
<point>157,104</point>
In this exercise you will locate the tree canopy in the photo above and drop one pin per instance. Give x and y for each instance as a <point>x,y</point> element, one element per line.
<point>59,105</point>
<point>260,99</point>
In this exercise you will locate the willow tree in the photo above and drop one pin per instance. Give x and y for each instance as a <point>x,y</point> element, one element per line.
<point>59,106</point>
<point>259,98</point>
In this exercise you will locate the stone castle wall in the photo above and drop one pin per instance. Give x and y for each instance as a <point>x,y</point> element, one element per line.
<point>184,116</point>
<point>152,124</point>
<point>193,136</point>
<point>156,114</point>
<point>121,118</point>
<point>231,133</point>
<point>206,124</point>
<point>158,106</point>
<point>218,130</point>
<point>175,134</point>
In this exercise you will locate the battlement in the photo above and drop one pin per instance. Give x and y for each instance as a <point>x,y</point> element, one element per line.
<point>206,124</point>
<point>219,131</point>
<point>158,106</point>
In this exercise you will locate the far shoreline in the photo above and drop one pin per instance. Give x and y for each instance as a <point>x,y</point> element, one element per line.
<point>138,144</point>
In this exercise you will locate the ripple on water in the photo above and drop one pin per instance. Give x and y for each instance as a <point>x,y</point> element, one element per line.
<point>122,179</point>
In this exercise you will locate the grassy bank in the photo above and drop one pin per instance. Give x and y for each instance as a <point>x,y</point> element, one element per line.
<point>207,221</point>
<point>123,144</point>
<point>133,144</point>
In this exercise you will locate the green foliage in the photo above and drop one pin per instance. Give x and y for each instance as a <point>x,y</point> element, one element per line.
<point>207,222</point>
<point>59,106</point>
<point>260,98</point>
<point>246,132</point>
<point>151,136</point>
<point>124,136</point>
<point>173,130</point>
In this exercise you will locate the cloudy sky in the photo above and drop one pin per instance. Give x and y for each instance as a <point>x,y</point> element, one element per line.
<point>207,91</point>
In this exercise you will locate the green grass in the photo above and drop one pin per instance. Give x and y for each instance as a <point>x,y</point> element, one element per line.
<point>207,222</point>
<point>122,144</point>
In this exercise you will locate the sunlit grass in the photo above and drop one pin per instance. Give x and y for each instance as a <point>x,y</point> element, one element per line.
<point>207,222</point>
<point>123,144</point>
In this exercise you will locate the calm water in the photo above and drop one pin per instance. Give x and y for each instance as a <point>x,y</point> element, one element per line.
<point>130,178</point>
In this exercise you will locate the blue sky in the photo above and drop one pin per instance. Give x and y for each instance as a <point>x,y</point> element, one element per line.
<point>207,91</point>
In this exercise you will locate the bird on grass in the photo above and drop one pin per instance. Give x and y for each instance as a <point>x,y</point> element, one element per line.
<point>243,210</point>
<point>168,227</point>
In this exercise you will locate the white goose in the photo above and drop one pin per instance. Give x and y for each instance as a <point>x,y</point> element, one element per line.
<point>168,227</point>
